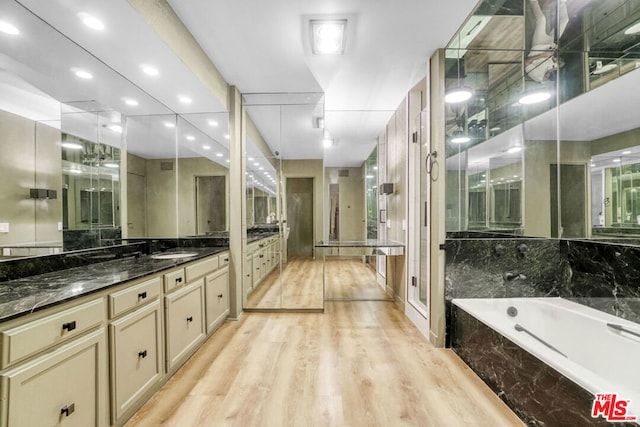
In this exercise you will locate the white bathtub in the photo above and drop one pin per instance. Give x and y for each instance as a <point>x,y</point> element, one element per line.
<point>599,358</point>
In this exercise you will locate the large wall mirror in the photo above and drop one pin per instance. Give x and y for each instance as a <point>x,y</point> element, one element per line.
<point>284,201</point>
<point>546,144</point>
<point>88,157</point>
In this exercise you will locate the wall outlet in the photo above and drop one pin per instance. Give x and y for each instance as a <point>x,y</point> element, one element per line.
<point>404,224</point>
<point>4,227</point>
<point>59,226</point>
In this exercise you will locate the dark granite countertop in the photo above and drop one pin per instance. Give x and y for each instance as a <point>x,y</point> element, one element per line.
<point>22,296</point>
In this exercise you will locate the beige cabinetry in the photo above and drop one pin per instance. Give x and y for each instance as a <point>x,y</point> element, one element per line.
<point>65,386</point>
<point>184,322</point>
<point>262,257</point>
<point>136,356</point>
<point>217,298</point>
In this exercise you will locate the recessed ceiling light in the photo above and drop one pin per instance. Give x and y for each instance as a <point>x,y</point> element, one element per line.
<point>634,29</point>
<point>115,128</point>
<point>328,36</point>
<point>266,173</point>
<point>534,97</point>
<point>169,124</point>
<point>72,146</point>
<point>83,74</point>
<point>206,147</point>
<point>111,165</point>
<point>626,152</point>
<point>7,28</point>
<point>219,154</point>
<point>458,94</point>
<point>184,99</point>
<point>327,142</point>
<point>460,139</point>
<point>256,164</point>
<point>76,171</point>
<point>261,168</point>
<point>131,102</point>
<point>226,136</point>
<point>190,138</point>
<point>149,70</point>
<point>228,161</point>
<point>212,123</point>
<point>250,159</point>
<point>515,149</point>
<point>616,160</point>
<point>91,21</point>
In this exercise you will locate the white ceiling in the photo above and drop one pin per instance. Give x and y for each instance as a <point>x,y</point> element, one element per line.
<point>262,46</point>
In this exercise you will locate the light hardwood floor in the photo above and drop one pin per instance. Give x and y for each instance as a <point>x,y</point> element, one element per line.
<point>358,364</point>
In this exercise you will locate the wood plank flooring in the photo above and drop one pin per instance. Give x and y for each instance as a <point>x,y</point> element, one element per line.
<point>299,284</point>
<point>357,364</point>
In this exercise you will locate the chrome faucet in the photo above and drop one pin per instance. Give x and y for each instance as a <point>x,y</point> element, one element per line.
<point>510,277</point>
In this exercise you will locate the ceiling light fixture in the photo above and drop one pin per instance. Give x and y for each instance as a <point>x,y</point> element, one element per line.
<point>115,128</point>
<point>190,138</point>
<point>149,70</point>
<point>634,29</point>
<point>131,102</point>
<point>534,97</point>
<point>219,154</point>
<point>91,21</point>
<point>111,165</point>
<point>515,149</point>
<point>226,136</point>
<point>327,142</point>
<point>626,152</point>
<point>206,147</point>
<point>458,94</point>
<point>601,69</point>
<point>7,28</point>
<point>212,123</point>
<point>83,74</point>
<point>184,99</point>
<point>169,125</point>
<point>328,36</point>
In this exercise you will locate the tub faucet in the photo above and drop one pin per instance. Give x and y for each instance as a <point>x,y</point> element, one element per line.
<point>510,277</point>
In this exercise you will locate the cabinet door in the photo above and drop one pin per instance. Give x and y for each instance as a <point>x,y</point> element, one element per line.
<point>217,298</point>
<point>184,322</point>
<point>257,268</point>
<point>65,387</point>
<point>136,356</point>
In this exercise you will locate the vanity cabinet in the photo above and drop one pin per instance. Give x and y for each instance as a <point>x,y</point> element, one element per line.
<point>217,298</point>
<point>184,322</point>
<point>135,342</point>
<point>261,258</point>
<point>66,386</point>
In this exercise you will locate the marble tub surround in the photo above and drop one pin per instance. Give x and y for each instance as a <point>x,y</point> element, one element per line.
<point>536,392</point>
<point>27,294</point>
<point>602,275</point>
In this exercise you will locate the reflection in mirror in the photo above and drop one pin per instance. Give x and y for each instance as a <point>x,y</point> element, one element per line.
<point>284,146</point>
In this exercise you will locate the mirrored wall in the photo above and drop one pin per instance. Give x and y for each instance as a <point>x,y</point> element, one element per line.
<point>284,201</point>
<point>541,122</point>
<point>89,158</point>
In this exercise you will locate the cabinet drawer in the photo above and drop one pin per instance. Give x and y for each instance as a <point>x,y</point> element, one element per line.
<point>216,298</point>
<point>136,356</point>
<point>184,322</point>
<point>20,342</point>
<point>173,280</point>
<point>201,268</point>
<point>223,259</point>
<point>134,296</point>
<point>66,387</point>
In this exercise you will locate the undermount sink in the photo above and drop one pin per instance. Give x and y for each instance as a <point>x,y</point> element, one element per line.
<point>174,255</point>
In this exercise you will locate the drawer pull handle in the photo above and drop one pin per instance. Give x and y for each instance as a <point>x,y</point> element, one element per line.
<point>261,256</point>
<point>179,280</point>
<point>69,326</point>
<point>142,295</point>
<point>226,260</point>
<point>142,354</point>
<point>190,319</point>
<point>261,246</point>
<point>68,410</point>
<point>219,295</point>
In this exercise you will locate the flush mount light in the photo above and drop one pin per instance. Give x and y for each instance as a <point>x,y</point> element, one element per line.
<point>91,21</point>
<point>515,149</point>
<point>634,29</point>
<point>149,70</point>
<point>327,142</point>
<point>190,138</point>
<point>7,28</point>
<point>534,97</point>
<point>131,102</point>
<point>184,99</point>
<point>72,146</point>
<point>83,74</point>
<point>212,123</point>
<point>458,94</point>
<point>328,36</point>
